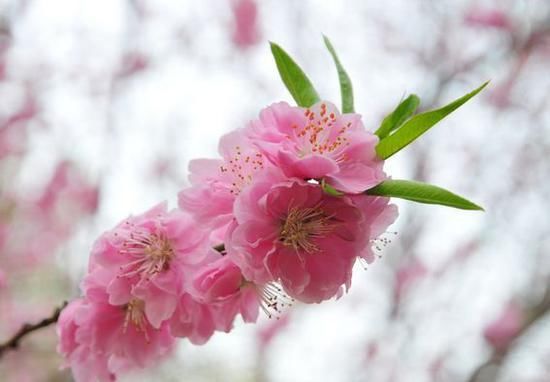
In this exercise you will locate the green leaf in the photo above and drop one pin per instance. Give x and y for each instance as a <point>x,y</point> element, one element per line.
<point>402,112</point>
<point>346,89</point>
<point>294,78</point>
<point>328,189</point>
<point>421,193</point>
<point>418,125</point>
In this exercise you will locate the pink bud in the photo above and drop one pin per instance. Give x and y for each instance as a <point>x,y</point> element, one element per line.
<point>504,329</point>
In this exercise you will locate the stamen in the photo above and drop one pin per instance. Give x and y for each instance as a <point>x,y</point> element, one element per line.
<point>151,252</point>
<point>135,314</point>
<point>322,135</point>
<point>273,300</point>
<point>241,167</point>
<point>302,225</point>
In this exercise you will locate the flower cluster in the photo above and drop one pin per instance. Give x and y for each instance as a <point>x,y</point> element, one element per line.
<point>255,231</point>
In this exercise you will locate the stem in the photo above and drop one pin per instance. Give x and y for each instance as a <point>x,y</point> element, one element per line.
<point>13,342</point>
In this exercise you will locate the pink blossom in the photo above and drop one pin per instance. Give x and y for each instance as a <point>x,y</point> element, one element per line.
<point>124,334</point>
<point>491,18</point>
<point>245,14</point>
<point>69,190</point>
<point>147,257</point>
<point>132,63</point>
<point>192,320</point>
<point>86,363</point>
<point>267,333</point>
<point>217,182</point>
<point>221,284</point>
<point>292,232</point>
<point>319,142</point>
<point>500,332</point>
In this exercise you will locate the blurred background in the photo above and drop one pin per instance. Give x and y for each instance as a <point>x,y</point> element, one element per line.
<point>104,102</point>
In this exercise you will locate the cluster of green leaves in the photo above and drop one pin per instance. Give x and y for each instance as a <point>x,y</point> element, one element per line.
<point>398,129</point>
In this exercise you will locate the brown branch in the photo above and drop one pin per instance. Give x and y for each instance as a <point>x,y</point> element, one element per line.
<point>13,342</point>
<point>498,357</point>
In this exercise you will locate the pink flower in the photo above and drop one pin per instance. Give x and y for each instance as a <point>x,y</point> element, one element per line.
<point>504,329</point>
<point>193,320</point>
<point>267,334</point>
<point>292,232</point>
<point>222,285</point>
<point>245,14</point>
<point>217,182</point>
<point>317,143</point>
<point>99,340</point>
<point>67,190</point>
<point>86,364</point>
<point>148,257</point>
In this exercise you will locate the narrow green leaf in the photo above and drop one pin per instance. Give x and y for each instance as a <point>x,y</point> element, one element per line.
<point>421,193</point>
<point>328,189</point>
<point>346,89</point>
<point>418,125</point>
<point>402,112</point>
<point>294,78</point>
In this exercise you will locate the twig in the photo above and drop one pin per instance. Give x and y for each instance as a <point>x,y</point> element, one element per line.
<point>13,342</point>
<point>497,359</point>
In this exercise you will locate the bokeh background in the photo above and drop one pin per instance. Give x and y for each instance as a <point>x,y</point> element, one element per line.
<point>104,102</point>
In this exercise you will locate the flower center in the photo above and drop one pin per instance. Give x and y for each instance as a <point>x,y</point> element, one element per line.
<point>301,226</point>
<point>151,253</point>
<point>322,134</point>
<point>135,315</point>
<point>241,167</point>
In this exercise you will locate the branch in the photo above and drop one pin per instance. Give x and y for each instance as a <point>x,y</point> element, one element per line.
<point>13,342</point>
<point>497,359</point>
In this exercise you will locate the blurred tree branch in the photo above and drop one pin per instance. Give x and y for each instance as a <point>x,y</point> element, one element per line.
<point>489,370</point>
<point>13,342</point>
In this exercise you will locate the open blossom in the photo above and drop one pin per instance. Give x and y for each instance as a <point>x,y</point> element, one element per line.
<point>319,142</point>
<point>100,340</point>
<point>294,233</point>
<point>215,183</point>
<point>147,257</point>
<point>87,365</point>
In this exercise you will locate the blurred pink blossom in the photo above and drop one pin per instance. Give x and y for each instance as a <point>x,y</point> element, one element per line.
<point>3,281</point>
<point>68,187</point>
<point>490,18</point>
<point>271,329</point>
<point>407,275</point>
<point>245,17</point>
<point>500,332</point>
<point>132,63</point>
<point>13,128</point>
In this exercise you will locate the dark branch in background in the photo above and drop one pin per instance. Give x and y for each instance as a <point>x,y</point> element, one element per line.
<point>13,342</point>
<point>493,365</point>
